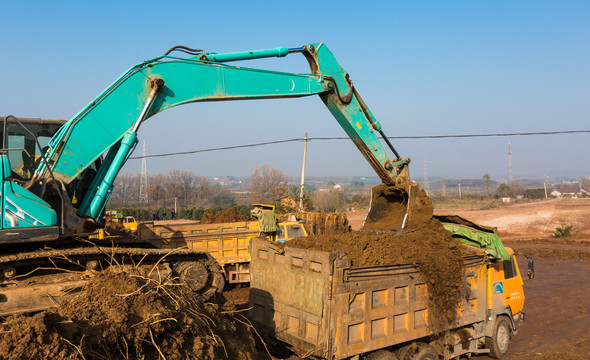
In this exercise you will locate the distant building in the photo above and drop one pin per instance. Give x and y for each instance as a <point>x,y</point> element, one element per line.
<point>570,192</point>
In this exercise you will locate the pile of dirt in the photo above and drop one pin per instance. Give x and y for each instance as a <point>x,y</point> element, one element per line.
<point>119,316</point>
<point>432,249</point>
<point>321,223</point>
<point>117,229</point>
<point>390,205</point>
<point>227,215</point>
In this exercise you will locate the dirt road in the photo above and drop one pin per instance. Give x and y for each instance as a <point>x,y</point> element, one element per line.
<point>557,301</point>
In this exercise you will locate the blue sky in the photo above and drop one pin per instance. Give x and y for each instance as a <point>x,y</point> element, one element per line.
<point>423,68</point>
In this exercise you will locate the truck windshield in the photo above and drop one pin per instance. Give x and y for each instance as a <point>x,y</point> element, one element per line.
<point>295,231</point>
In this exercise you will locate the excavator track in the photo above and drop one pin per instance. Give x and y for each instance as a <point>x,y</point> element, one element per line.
<point>38,280</point>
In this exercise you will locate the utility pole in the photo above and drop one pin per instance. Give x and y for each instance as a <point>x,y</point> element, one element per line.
<point>459,191</point>
<point>143,184</point>
<point>303,174</point>
<point>426,185</point>
<point>545,186</point>
<point>509,164</point>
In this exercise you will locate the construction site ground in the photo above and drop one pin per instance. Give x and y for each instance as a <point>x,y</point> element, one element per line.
<point>557,303</point>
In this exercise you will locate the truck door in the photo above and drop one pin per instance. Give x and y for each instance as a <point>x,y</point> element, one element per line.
<point>506,286</point>
<point>513,291</point>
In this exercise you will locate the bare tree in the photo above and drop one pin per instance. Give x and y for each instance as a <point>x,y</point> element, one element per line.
<point>220,196</point>
<point>189,188</point>
<point>126,189</point>
<point>157,189</point>
<point>328,200</point>
<point>202,191</point>
<point>267,184</point>
<point>188,180</point>
<point>174,183</point>
<point>486,179</point>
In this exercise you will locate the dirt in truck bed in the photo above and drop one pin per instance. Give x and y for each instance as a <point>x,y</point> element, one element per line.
<point>120,316</point>
<point>223,216</point>
<point>319,223</point>
<point>432,248</point>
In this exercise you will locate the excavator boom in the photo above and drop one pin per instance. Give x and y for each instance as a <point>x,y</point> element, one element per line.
<point>109,124</point>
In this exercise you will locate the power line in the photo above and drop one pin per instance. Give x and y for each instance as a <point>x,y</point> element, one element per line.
<point>347,138</point>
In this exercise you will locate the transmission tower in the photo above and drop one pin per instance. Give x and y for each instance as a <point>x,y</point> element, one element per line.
<point>143,186</point>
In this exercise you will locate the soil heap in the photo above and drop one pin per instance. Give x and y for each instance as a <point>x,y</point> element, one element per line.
<point>120,316</point>
<point>317,223</point>
<point>432,249</point>
<point>227,215</point>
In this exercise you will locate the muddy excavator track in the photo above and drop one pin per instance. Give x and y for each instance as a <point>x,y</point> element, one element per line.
<point>41,279</point>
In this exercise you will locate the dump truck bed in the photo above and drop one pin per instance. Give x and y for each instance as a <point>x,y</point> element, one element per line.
<point>317,302</point>
<point>226,242</point>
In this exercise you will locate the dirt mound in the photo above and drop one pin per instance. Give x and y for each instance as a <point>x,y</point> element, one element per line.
<point>119,316</point>
<point>390,204</point>
<point>431,248</point>
<point>321,223</point>
<point>117,229</point>
<point>227,215</point>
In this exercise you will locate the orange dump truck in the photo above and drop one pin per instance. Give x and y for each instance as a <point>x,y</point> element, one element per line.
<point>322,306</point>
<point>226,242</point>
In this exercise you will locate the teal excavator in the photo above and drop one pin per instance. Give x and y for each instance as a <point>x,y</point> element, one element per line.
<point>60,204</point>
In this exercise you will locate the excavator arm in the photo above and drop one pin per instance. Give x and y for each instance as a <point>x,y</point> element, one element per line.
<point>109,124</point>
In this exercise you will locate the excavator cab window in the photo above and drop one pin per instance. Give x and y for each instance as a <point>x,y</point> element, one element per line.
<point>23,153</point>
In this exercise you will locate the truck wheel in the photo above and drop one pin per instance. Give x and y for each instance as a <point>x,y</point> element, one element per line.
<point>422,351</point>
<point>498,343</point>
<point>381,355</point>
<point>203,277</point>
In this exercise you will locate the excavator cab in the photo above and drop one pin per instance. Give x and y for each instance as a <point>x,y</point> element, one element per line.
<point>25,216</point>
<point>20,146</point>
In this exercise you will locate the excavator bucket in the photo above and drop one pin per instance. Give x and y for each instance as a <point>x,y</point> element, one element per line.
<point>403,208</point>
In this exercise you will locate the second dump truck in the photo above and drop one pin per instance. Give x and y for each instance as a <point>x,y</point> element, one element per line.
<point>321,305</point>
<point>227,242</point>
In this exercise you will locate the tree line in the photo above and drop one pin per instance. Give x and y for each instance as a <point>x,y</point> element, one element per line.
<point>183,186</point>
<point>193,194</point>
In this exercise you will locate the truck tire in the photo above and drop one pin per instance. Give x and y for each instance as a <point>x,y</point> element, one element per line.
<point>422,351</point>
<point>498,343</point>
<point>381,355</point>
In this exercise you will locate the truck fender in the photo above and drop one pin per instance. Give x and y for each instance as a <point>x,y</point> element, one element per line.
<point>491,320</point>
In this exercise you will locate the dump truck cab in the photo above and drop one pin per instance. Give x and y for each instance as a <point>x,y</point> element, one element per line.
<point>505,286</point>
<point>130,223</point>
<point>290,230</point>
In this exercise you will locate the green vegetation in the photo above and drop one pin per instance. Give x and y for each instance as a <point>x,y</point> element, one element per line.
<point>189,213</point>
<point>562,231</point>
